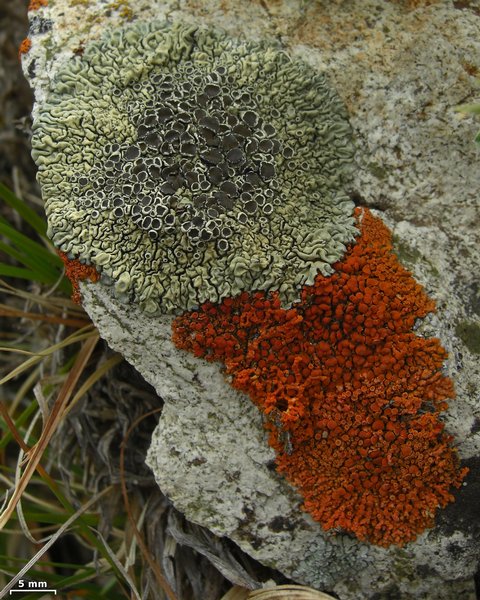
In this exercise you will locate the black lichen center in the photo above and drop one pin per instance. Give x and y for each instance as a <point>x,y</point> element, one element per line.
<point>202,152</point>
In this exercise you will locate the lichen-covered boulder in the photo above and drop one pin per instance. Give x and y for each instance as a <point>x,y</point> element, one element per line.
<point>209,451</point>
<point>217,165</point>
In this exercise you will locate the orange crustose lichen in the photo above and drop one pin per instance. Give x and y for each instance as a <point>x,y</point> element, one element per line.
<point>352,396</point>
<point>24,46</point>
<point>36,4</point>
<point>77,271</point>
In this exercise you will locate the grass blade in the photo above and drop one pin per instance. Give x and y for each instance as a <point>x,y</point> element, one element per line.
<point>53,420</point>
<point>36,357</point>
<point>51,541</point>
<point>7,311</point>
<point>33,250</point>
<point>162,582</point>
<point>21,273</point>
<point>27,213</point>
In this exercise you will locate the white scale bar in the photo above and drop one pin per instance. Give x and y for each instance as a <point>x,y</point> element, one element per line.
<point>34,591</point>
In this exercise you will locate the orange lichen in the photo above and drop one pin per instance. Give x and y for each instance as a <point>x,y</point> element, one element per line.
<point>76,272</point>
<point>352,396</point>
<point>24,47</point>
<point>36,4</point>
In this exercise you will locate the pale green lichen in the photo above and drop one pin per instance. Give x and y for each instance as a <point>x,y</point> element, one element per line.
<point>188,166</point>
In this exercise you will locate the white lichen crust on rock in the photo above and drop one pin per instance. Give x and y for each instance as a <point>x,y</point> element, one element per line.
<point>188,166</point>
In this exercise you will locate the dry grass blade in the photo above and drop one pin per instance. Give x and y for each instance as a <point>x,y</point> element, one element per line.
<point>7,311</point>
<point>153,565</point>
<point>53,420</point>
<point>11,425</point>
<point>18,471</point>
<point>120,567</point>
<point>54,304</point>
<point>236,593</point>
<point>23,389</point>
<point>26,496</point>
<point>224,562</point>
<point>94,377</point>
<point>83,334</point>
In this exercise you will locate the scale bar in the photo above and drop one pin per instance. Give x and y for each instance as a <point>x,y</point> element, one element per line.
<point>36,591</point>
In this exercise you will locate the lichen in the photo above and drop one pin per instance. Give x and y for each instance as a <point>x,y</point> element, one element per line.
<point>187,166</point>
<point>37,4</point>
<point>351,395</point>
<point>24,47</point>
<point>76,272</point>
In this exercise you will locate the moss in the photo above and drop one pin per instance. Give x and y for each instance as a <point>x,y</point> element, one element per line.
<point>406,253</point>
<point>377,170</point>
<point>84,3</point>
<point>469,333</point>
<point>410,256</point>
<point>123,8</point>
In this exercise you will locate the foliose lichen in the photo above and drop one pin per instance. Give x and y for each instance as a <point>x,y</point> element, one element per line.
<point>187,166</point>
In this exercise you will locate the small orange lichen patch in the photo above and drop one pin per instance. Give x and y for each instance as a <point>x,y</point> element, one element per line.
<point>352,395</point>
<point>36,4</point>
<point>24,47</point>
<point>76,271</point>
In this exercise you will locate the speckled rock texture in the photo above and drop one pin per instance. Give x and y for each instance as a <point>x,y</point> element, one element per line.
<point>400,68</point>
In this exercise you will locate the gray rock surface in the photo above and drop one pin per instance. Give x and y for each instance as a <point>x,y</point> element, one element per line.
<point>401,68</point>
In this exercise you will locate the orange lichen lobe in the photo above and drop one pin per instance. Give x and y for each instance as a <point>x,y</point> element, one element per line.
<point>36,4</point>
<point>355,390</point>
<point>76,272</point>
<point>24,47</point>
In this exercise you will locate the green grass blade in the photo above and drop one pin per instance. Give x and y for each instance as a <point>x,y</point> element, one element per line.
<point>44,271</point>
<point>33,249</point>
<point>55,518</point>
<point>42,265</point>
<point>19,422</point>
<point>27,213</point>
<point>21,273</point>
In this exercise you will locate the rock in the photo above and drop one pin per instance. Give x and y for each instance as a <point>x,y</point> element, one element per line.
<point>401,69</point>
